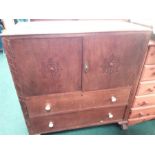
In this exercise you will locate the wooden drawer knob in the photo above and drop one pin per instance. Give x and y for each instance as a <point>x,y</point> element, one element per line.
<point>113,99</point>
<point>51,125</point>
<point>48,107</point>
<point>150,90</point>
<point>143,103</point>
<point>110,115</point>
<point>141,114</point>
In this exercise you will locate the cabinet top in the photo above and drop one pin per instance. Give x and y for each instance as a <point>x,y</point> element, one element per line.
<point>72,27</point>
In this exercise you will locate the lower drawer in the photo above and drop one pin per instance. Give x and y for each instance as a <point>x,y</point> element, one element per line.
<point>134,121</point>
<point>142,112</point>
<point>72,120</point>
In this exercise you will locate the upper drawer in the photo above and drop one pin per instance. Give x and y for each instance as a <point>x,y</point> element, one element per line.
<point>146,87</point>
<point>151,56</point>
<point>67,102</point>
<point>148,73</point>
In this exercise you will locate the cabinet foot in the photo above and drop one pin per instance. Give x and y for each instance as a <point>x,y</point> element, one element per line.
<point>124,125</point>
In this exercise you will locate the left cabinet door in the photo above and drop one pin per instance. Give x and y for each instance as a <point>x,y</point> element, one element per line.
<point>47,65</point>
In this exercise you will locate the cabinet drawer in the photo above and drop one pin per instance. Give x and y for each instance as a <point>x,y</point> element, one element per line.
<point>151,56</point>
<point>78,119</point>
<point>145,100</point>
<point>148,73</point>
<point>67,102</point>
<point>140,120</point>
<point>146,88</point>
<point>142,112</point>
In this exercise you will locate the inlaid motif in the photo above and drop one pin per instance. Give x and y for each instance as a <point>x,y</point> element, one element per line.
<point>111,64</point>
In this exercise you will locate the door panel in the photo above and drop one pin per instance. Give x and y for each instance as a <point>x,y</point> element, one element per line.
<point>112,59</point>
<point>48,65</point>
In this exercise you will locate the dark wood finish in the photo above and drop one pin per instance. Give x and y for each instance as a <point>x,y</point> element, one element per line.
<point>48,65</point>
<point>51,65</point>
<point>73,120</point>
<point>14,72</point>
<point>110,66</point>
<point>67,102</point>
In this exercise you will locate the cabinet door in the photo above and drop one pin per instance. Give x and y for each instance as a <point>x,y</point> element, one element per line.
<point>112,59</point>
<point>47,65</point>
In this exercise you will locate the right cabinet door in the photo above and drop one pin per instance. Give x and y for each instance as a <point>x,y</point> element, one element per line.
<point>112,60</point>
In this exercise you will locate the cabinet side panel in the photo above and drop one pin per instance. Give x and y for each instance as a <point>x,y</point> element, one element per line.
<point>14,73</point>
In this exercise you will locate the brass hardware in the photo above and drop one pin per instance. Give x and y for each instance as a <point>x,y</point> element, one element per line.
<point>110,115</point>
<point>113,99</point>
<point>48,107</point>
<point>86,68</point>
<point>51,125</point>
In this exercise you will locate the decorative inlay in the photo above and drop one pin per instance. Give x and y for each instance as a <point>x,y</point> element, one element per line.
<point>54,67</point>
<point>111,64</point>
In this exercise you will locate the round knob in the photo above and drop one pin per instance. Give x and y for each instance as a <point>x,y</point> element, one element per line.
<point>113,99</point>
<point>110,115</point>
<point>52,68</point>
<point>150,90</point>
<point>111,64</point>
<point>51,125</point>
<point>48,107</point>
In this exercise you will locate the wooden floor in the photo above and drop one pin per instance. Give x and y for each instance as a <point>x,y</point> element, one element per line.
<point>12,121</point>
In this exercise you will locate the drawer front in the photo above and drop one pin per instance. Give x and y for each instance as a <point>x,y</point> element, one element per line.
<point>62,103</point>
<point>151,56</point>
<point>96,116</point>
<point>146,100</point>
<point>148,73</point>
<point>146,88</point>
<point>140,120</point>
<point>142,112</point>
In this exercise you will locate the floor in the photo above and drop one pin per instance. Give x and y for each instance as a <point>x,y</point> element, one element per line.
<point>12,121</point>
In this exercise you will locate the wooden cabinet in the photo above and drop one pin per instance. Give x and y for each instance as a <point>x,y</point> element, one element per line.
<point>72,74</point>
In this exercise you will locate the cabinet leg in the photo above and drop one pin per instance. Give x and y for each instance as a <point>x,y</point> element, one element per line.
<point>124,126</point>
